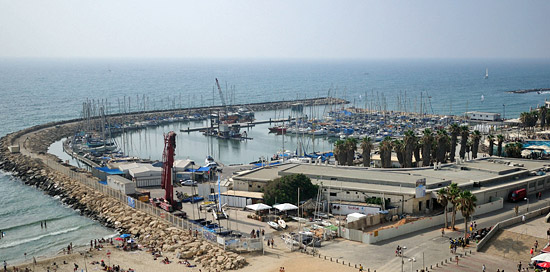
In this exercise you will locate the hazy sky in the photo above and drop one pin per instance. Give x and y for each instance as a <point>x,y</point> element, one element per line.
<point>275,29</point>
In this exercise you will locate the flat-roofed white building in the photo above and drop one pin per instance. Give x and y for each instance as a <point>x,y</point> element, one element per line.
<point>122,184</point>
<point>146,175</point>
<point>483,116</point>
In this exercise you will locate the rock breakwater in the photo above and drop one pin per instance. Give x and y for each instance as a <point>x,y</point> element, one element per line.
<point>151,231</point>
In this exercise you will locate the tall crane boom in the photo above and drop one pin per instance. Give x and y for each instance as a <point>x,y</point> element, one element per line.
<point>168,164</point>
<point>221,94</point>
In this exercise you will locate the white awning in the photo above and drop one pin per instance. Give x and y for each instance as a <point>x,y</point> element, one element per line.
<point>258,207</point>
<point>285,207</point>
<point>545,257</point>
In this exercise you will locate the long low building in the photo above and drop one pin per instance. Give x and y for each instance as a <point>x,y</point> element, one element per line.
<point>412,190</point>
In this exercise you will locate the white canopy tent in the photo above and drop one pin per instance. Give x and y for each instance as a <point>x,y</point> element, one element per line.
<point>258,207</point>
<point>285,207</point>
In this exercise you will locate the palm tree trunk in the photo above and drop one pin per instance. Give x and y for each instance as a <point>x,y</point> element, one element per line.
<point>453,218</point>
<point>446,220</point>
<point>465,227</point>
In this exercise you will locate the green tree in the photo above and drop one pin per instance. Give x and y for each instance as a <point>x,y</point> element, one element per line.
<point>339,151</point>
<point>467,206</point>
<point>452,194</point>
<point>285,189</point>
<point>427,140</point>
<point>464,135</point>
<point>385,152</point>
<point>529,119</point>
<point>366,147</point>
<point>409,141</point>
<point>399,148</point>
<point>476,136</point>
<point>444,201</point>
<point>542,116</point>
<point>454,130</point>
<point>500,139</point>
<point>491,139</point>
<point>442,145</point>
<point>513,150</point>
<point>351,147</point>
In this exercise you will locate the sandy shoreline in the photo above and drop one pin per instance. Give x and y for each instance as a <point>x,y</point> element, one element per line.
<point>140,260</point>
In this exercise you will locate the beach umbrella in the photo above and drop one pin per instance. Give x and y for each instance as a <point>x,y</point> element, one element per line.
<point>125,235</point>
<point>542,257</point>
<point>285,207</point>
<point>258,207</point>
<point>119,239</point>
<point>544,265</point>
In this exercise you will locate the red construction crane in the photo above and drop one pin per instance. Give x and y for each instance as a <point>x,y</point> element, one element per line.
<point>168,163</point>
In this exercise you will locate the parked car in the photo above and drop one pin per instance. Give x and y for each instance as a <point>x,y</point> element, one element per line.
<point>189,182</point>
<point>517,195</point>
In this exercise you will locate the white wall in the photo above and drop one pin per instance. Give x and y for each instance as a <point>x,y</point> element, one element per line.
<point>374,237</point>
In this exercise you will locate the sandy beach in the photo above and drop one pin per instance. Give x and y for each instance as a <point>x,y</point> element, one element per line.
<point>272,260</point>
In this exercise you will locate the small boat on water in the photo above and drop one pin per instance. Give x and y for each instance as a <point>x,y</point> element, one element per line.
<point>273,225</point>
<point>282,223</point>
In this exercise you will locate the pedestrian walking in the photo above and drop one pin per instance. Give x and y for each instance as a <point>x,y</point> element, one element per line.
<point>442,232</point>
<point>45,224</point>
<point>536,245</point>
<point>531,252</point>
<point>268,242</point>
<point>456,258</point>
<point>41,224</point>
<point>272,243</point>
<point>483,268</point>
<point>5,266</point>
<point>519,266</point>
<point>523,219</point>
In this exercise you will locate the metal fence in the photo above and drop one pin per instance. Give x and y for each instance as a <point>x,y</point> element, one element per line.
<point>236,244</point>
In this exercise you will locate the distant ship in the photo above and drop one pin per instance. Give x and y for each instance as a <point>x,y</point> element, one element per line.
<point>486,73</point>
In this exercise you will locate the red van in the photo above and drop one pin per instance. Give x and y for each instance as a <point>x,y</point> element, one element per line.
<point>517,195</point>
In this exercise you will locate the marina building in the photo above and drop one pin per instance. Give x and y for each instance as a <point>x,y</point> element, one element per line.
<point>412,190</point>
<point>483,116</point>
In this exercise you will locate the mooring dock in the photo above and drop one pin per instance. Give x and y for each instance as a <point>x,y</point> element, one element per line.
<point>242,125</point>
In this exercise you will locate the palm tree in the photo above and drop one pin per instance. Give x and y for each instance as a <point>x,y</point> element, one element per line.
<point>491,139</point>
<point>464,133</point>
<point>417,147</point>
<point>454,130</point>
<point>410,142</point>
<point>351,147</point>
<point>500,139</point>
<point>442,145</point>
<point>467,206</point>
<point>366,147</point>
<point>542,116</point>
<point>427,140</point>
<point>476,136</point>
<point>339,151</point>
<point>444,201</point>
<point>399,148</point>
<point>452,194</point>
<point>529,119</point>
<point>385,152</point>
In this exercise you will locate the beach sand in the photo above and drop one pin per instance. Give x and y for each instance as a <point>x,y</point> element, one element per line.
<point>142,261</point>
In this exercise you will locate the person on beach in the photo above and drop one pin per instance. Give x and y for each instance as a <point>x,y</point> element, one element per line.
<point>41,224</point>
<point>5,266</point>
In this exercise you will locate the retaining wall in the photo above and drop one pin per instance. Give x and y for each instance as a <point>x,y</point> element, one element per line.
<point>428,222</point>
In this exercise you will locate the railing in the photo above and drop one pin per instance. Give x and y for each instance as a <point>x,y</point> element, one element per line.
<point>509,222</point>
<point>236,244</point>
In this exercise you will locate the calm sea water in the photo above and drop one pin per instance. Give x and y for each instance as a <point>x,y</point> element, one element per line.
<point>38,91</point>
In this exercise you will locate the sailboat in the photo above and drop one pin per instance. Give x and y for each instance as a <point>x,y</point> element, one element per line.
<point>482,98</point>
<point>486,73</point>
